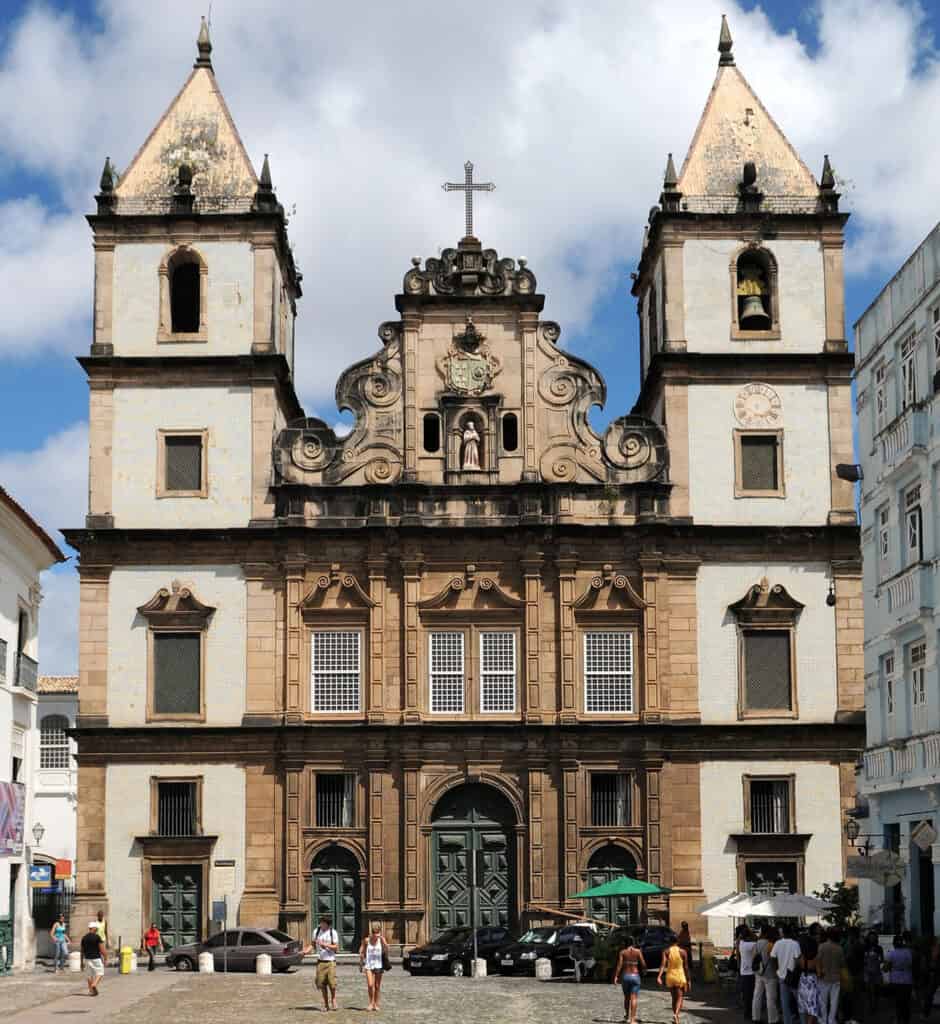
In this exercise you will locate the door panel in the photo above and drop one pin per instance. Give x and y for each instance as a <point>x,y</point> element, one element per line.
<point>336,893</point>
<point>177,903</point>
<point>452,891</point>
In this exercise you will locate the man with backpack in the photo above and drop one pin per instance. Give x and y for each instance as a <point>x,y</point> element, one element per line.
<point>326,942</point>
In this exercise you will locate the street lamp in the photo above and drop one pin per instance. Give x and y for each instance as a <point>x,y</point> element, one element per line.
<point>38,832</point>
<point>852,830</point>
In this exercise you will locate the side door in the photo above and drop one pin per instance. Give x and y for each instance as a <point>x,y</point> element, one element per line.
<point>250,947</point>
<point>222,947</point>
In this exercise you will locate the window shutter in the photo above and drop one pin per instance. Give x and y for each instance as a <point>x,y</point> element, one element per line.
<point>183,462</point>
<point>767,670</point>
<point>759,462</point>
<point>176,673</point>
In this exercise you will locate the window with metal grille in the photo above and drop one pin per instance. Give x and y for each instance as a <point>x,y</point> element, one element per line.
<point>608,672</point>
<point>497,671</point>
<point>336,796</point>
<point>881,398</point>
<point>913,525</point>
<point>183,462</point>
<point>447,672</point>
<point>176,809</point>
<point>53,742</point>
<point>3,661</point>
<point>177,673</point>
<point>767,683</point>
<point>336,675</point>
<point>770,805</point>
<point>908,372</point>
<point>611,803</point>
<point>759,462</point>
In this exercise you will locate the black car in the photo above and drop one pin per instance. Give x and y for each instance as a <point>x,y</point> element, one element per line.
<point>238,948</point>
<point>653,940</point>
<point>452,951</point>
<point>563,946</point>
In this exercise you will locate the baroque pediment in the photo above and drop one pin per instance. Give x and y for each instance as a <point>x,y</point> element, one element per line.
<point>764,604</point>
<point>336,590</point>
<point>175,606</point>
<point>471,591</point>
<point>607,591</point>
<point>469,270</point>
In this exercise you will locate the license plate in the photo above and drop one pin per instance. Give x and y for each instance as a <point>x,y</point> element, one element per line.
<point>416,961</point>
<point>506,963</point>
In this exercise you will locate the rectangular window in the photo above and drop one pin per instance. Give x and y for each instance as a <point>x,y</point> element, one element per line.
<point>498,671</point>
<point>759,464</point>
<point>608,672</point>
<point>53,742</point>
<point>176,809</point>
<point>3,661</point>
<point>918,658</point>
<point>335,663</point>
<point>336,800</point>
<point>183,463</point>
<point>908,372</point>
<point>913,525</point>
<point>611,799</point>
<point>770,806</point>
<point>935,326</point>
<point>767,670</point>
<point>447,672</point>
<point>883,541</point>
<point>177,671</point>
<point>881,399</point>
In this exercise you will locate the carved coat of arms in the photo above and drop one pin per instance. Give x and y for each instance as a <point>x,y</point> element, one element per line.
<point>469,367</point>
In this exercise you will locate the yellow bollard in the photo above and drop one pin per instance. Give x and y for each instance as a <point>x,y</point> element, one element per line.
<point>127,955</point>
<point>709,974</point>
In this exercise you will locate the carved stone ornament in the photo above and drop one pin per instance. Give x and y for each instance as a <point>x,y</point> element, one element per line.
<point>764,604</point>
<point>471,590</point>
<point>615,586</point>
<point>337,590</point>
<point>758,405</point>
<point>469,367</point>
<point>175,607</point>
<point>469,270</point>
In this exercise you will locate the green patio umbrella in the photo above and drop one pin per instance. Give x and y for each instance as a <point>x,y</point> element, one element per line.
<point>623,886</point>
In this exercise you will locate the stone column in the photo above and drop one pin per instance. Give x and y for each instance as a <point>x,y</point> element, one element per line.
<point>411,564</point>
<point>93,583</point>
<point>265,678</point>
<point>260,903</point>
<point>850,637</point>
<point>100,447</point>
<point>532,585</point>
<point>90,852</point>
<point>102,338</point>
<point>570,833</point>
<point>263,307</point>
<point>674,297</point>
<point>294,570</point>
<point>650,704</point>
<point>567,562</point>
<point>834,287</point>
<point>376,564</point>
<point>528,325</point>
<point>411,322</point>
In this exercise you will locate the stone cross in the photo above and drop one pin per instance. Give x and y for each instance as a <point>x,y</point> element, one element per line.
<point>468,187</point>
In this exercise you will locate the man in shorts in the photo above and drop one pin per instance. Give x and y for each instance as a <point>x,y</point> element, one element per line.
<point>93,953</point>
<point>326,942</point>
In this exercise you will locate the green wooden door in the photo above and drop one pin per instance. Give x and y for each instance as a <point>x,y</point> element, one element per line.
<point>177,903</point>
<point>608,863</point>
<point>335,891</point>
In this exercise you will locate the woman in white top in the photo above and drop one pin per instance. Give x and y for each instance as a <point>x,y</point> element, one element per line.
<point>373,954</point>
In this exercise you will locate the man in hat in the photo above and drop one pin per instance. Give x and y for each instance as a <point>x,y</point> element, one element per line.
<point>326,942</point>
<point>93,953</point>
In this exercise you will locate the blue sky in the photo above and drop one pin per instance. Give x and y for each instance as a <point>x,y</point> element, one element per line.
<point>573,121</point>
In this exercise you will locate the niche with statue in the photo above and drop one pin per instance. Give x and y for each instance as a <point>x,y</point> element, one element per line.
<point>470,429</point>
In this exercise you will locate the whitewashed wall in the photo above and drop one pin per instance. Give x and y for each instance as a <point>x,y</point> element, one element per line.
<point>139,413</point>
<point>805,424</point>
<point>718,586</point>
<point>817,807</point>
<point>222,587</point>
<point>136,291</point>
<point>128,815</point>
<point>707,287</point>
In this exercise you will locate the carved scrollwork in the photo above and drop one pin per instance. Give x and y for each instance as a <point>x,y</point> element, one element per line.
<point>637,446</point>
<point>468,270</point>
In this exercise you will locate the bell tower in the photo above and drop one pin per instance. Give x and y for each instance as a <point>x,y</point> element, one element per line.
<point>740,296</point>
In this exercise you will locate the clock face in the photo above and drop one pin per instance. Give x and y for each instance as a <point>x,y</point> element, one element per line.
<point>758,405</point>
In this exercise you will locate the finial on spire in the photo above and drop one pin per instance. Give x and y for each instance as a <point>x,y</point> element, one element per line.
<point>106,186</point>
<point>670,197</point>
<point>725,43</point>
<point>828,179</point>
<point>264,182</point>
<point>670,178</point>
<point>828,197</point>
<point>265,199</point>
<point>204,46</point>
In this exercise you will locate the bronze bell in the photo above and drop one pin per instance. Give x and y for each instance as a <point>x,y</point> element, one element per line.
<point>753,315</point>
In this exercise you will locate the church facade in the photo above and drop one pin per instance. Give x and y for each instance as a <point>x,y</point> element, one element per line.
<point>331,674</point>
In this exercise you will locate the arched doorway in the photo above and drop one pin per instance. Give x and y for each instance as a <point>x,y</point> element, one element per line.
<point>606,864</point>
<point>335,891</point>
<point>472,818</point>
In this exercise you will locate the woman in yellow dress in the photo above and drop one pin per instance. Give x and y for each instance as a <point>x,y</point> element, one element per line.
<point>675,964</point>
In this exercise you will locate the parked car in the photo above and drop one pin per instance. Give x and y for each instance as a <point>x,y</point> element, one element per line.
<point>563,946</point>
<point>452,951</point>
<point>237,950</point>
<point>654,940</point>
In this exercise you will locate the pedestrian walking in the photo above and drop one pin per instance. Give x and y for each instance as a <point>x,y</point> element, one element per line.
<point>60,936</point>
<point>326,943</point>
<point>373,959</point>
<point>807,993</point>
<point>93,953</point>
<point>685,941</point>
<point>103,933</point>
<point>675,965</point>
<point>853,1007</point>
<point>786,955</point>
<point>747,955</point>
<point>900,964</point>
<point>152,941</point>
<point>766,982</point>
<point>873,960</point>
<point>627,973</point>
<point>830,961</point>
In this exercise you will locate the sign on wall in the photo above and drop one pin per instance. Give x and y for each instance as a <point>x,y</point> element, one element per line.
<point>12,814</point>
<point>40,875</point>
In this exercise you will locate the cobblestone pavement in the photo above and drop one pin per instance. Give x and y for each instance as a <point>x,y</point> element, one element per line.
<point>214,999</point>
<point>21,990</point>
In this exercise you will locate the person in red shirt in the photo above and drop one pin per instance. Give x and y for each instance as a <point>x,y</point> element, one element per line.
<point>151,942</point>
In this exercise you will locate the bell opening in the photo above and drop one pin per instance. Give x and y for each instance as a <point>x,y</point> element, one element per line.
<point>753,293</point>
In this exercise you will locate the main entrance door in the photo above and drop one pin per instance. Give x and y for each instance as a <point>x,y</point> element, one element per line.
<point>177,903</point>
<point>335,891</point>
<point>606,864</point>
<point>471,818</point>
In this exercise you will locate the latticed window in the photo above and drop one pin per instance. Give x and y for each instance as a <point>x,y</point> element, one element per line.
<point>770,805</point>
<point>336,795</point>
<point>611,799</point>
<point>608,672</point>
<point>176,809</point>
<point>913,525</point>
<point>447,672</point>
<point>53,742</point>
<point>881,398</point>
<point>908,372</point>
<point>183,462</point>
<point>497,671</point>
<point>177,671</point>
<point>336,671</point>
<point>760,462</point>
<point>767,682</point>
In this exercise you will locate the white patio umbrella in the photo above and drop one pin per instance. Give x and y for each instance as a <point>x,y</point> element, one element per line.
<point>793,904</point>
<point>735,904</point>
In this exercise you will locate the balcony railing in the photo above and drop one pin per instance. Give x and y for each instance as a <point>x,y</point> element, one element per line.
<point>878,763</point>
<point>911,590</point>
<point>27,672</point>
<point>909,431</point>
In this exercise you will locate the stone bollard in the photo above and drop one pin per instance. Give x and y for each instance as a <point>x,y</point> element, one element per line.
<point>543,969</point>
<point>478,968</point>
<point>133,962</point>
<point>263,964</point>
<point>75,961</point>
<point>206,963</point>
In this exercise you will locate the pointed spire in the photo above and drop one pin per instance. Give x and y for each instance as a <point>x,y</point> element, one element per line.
<point>828,179</point>
<point>670,179</point>
<point>828,197</point>
<point>724,44</point>
<point>204,46</point>
<point>106,186</point>
<point>264,182</point>
<point>265,199</point>
<point>670,196</point>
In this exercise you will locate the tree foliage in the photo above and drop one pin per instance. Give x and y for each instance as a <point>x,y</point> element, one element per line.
<point>844,913</point>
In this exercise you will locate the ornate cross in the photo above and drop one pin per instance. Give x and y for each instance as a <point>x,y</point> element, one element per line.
<point>468,187</point>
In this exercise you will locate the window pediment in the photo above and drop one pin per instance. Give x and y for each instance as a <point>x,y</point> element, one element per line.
<point>608,591</point>
<point>470,592</point>
<point>176,607</point>
<point>336,591</point>
<point>766,605</point>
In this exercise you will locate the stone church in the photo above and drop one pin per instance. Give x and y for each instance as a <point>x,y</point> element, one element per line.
<point>324,673</point>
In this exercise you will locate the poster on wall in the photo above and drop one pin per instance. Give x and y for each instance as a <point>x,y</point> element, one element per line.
<point>12,813</point>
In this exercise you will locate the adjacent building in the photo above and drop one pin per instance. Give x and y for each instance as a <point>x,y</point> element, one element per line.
<point>25,551</point>
<point>898,353</point>
<point>325,673</point>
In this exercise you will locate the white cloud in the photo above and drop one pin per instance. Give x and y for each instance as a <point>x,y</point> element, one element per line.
<point>58,622</point>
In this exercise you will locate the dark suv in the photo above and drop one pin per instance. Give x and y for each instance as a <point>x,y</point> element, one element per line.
<point>238,948</point>
<point>452,951</point>
<point>564,947</point>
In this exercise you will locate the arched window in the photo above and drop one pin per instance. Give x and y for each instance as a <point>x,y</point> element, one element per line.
<point>184,298</point>
<point>510,432</point>
<point>754,280</point>
<point>183,281</point>
<point>432,432</point>
<point>53,742</point>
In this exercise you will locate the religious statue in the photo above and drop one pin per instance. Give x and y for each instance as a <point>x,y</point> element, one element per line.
<point>471,447</point>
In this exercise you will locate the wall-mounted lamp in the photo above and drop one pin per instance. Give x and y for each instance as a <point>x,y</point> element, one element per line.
<point>831,596</point>
<point>38,832</point>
